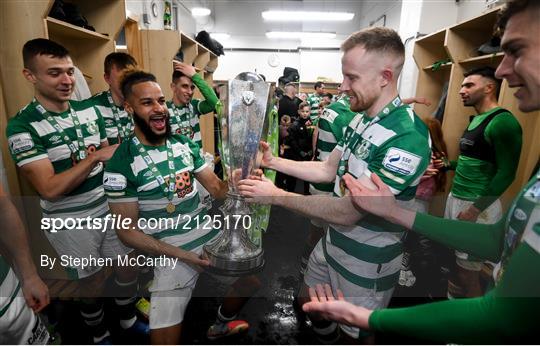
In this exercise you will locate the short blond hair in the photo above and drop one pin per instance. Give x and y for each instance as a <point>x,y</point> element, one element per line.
<point>377,39</point>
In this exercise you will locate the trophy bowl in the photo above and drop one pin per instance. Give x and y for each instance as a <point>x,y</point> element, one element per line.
<point>241,116</point>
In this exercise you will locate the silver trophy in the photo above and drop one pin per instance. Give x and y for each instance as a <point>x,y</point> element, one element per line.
<point>244,104</point>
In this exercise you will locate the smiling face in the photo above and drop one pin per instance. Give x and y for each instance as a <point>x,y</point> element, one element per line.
<point>183,90</point>
<point>521,63</point>
<point>147,105</point>
<point>53,78</point>
<point>362,78</point>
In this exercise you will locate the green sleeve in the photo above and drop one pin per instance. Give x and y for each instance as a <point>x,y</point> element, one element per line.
<point>508,314</point>
<point>210,98</point>
<point>481,240</point>
<point>453,165</point>
<point>504,133</point>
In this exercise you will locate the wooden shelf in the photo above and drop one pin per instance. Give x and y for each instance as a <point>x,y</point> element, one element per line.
<point>58,28</point>
<point>484,59</point>
<point>189,47</point>
<point>202,59</point>
<point>442,66</point>
<point>430,48</point>
<point>460,43</point>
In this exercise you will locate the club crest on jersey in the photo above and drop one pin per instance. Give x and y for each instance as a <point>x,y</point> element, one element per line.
<point>401,161</point>
<point>92,128</point>
<point>362,151</point>
<point>185,156</point>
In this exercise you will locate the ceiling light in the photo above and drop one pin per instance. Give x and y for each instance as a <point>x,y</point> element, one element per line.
<point>299,34</point>
<point>220,35</point>
<point>200,11</point>
<point>299,16</point>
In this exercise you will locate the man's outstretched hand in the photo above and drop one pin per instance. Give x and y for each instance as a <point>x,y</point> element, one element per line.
<point>324,304</point>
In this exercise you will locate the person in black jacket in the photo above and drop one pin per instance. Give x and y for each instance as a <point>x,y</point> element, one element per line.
<point>299,141</point>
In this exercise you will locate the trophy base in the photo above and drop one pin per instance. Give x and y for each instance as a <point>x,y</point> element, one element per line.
<point>228,267</point>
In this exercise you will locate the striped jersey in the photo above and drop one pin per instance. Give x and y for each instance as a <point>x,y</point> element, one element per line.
<point>395,145</point>
<point>314,100</point>
<point>128,178</point>
<point>184,119</point>
<point>101,102</point>
<point>9,286</point>
<point>332,124</point>
<point>31,137</point>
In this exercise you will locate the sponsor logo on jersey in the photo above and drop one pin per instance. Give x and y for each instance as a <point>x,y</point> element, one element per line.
<point>55,139</point>
<point>20,142</point>
<point>114,181</point>
<point>401,161</point>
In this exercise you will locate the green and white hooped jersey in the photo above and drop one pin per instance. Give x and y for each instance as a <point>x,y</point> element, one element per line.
<point>184,120</point>
<point>31,137</point>
<point>9,286</point>
<point>101,102</point>
<point>332,124</point>
<point>395,145</point>
<point>314,100</point>
<point>128,178</point>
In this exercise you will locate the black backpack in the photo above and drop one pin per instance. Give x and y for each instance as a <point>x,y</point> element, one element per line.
<point>214,46</point>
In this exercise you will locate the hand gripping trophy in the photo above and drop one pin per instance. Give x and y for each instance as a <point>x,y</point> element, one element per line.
<point>244,104</point>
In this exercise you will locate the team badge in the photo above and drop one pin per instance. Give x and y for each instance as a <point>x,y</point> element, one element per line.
<point>362,151</point>
<point>92,128</point>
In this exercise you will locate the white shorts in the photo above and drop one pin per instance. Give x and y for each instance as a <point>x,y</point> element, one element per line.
<point>319,272</point>
<point>86,243</point>
<point>172,288</point>
<point>167,308</point>
<point>490,215</point>
<point>20,326</point>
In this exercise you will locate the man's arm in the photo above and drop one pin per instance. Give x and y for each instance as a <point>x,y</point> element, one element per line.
<point>504,315</point>
<point>334,210</point>
<point>217,187</point>
<point>52,186</point>
<point>481,240</point>
<point>131,236</point>
<point>312,171</point>
<point>210,97</point>
<point>14,240</point>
